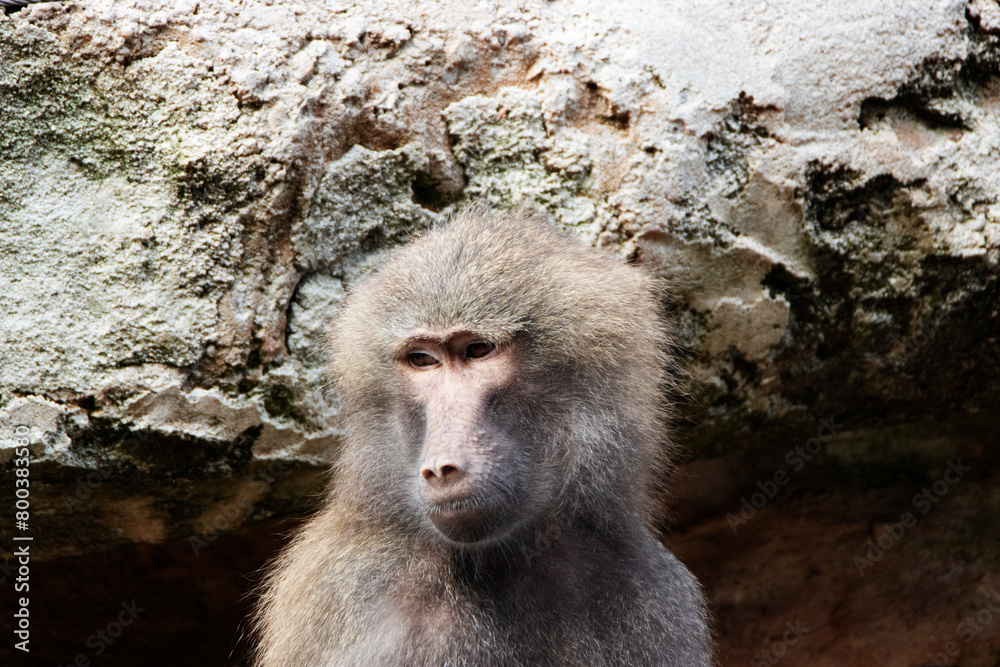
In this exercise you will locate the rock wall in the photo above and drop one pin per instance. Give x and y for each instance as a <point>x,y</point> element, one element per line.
<point>190,187</point>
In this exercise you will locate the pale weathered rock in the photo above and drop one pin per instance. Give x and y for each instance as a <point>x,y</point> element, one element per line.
<point>190,187</point>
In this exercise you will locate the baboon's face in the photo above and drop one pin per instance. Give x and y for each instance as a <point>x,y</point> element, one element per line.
<point>474,472</point>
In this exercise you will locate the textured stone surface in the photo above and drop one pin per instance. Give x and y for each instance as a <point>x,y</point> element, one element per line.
<point>190,187</point>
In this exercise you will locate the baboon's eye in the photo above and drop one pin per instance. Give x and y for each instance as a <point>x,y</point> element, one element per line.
<point>421,359</point>
<point>479,348</point>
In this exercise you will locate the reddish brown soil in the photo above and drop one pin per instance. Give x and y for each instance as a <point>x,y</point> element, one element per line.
<point>784,588</point>
<point>790,585</point>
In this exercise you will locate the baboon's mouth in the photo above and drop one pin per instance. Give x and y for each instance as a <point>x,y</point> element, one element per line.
<point>466,520</point>
<point>459,505</point>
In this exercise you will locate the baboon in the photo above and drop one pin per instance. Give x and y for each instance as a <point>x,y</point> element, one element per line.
<point>496,499</point>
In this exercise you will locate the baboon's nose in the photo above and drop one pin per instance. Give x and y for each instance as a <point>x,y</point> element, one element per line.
<point>442,472</point>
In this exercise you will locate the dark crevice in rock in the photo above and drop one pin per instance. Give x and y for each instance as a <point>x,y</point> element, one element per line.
<point>780,281</point>
<point>838,197</point>
<point>292,296</point>
<point>941,79</point>
<point>429,194</point>
<point>617,119</point>
<point>876,109</point>
<point>151,455</point>
<point>604,109</point>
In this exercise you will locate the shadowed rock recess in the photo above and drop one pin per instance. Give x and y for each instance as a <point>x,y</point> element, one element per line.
<point>190,187</point>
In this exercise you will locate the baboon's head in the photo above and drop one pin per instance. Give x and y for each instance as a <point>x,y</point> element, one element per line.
<point>495,370</point>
